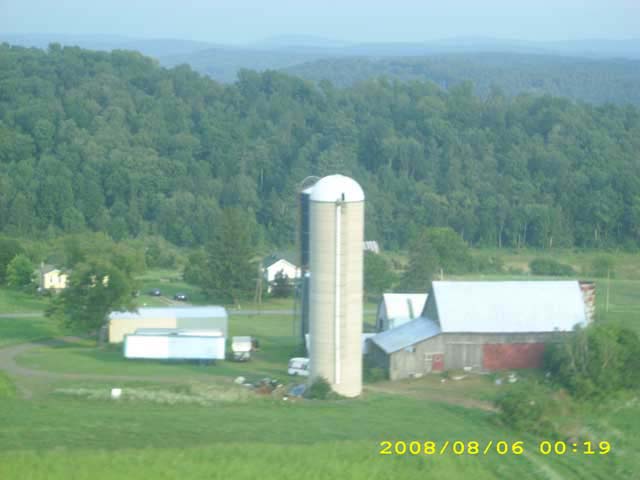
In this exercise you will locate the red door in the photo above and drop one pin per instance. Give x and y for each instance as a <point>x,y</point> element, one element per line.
<point>437,362</point>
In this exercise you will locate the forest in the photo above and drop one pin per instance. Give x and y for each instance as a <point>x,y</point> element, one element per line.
<point>589,80</point>
<point>114,143</point>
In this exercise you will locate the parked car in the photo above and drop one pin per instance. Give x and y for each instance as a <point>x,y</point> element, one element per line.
<point>299,366</point>
<point>155,292</point>
<point>180,297</point>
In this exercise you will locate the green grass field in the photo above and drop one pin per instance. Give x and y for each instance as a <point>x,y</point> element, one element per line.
<point>67,428</point>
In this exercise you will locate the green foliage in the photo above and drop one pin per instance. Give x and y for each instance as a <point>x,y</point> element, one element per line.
<point>431,250</point>
<point>493,74</point>
<point>9,248</point>
<point>112,143</point>
<point>527,406</point>
<point>282,286</point>
<point>320,389</point>
<point>20,272</point>
<point>371,373</point>
<point>159,255</point>
<point>95,289</point>
<point>195,271</point>
<point>231,273</point>
<point>378,276</point>
<point>603,266</point>
<point>549,266</point>
<point>596,361</point>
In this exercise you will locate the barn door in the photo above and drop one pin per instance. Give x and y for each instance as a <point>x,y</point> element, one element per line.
<point>437,362</point>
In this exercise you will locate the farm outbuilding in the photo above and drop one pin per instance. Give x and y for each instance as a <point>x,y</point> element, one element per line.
<point>480,326</point>
<point>183,318</point>
<point>396,309</point>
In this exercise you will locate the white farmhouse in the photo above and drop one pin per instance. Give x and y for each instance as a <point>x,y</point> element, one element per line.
<point>275,264</point>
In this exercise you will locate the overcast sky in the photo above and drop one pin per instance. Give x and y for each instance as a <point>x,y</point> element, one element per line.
<point>246,21</point>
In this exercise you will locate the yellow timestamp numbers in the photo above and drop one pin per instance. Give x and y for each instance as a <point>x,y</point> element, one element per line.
<point>500,447</point>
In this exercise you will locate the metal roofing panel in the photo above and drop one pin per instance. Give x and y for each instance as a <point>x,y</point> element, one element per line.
<point>211,311</point>
<point>503,307</point>
<point>397,304</point>
<point>405,335</point>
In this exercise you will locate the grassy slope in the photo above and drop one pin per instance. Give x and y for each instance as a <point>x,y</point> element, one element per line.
<point>62,437</point>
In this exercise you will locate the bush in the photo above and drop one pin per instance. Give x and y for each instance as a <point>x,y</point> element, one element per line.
<point>371,373</point>
<point>487,264</point>
<point>320,389</point>
<point>595,361</point>
<point>551,267</point>
<point>525,407</point>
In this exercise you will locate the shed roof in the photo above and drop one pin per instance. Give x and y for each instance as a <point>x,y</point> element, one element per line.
<point>211,311</point>
<point>405,335</point>
<point>504,307</point>
<point>402,305</point>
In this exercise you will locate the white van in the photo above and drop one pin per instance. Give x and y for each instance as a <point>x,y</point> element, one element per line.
<point>299,366</point>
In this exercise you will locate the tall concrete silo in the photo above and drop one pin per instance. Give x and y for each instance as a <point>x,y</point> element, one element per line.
<point>336,261</point>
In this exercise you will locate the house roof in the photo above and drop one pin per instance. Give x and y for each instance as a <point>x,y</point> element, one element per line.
<point>274,257</point>
<point>211,311</point>
<point>402,305</point>
<point>504,307</point>
<point>406,335</point>
<point>371,246</point>
<point>46,268</point>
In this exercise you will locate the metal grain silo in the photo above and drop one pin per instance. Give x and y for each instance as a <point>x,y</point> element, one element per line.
<point>336,261</point>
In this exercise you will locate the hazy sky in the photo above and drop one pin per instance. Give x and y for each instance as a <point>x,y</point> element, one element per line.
<point>245,21</point>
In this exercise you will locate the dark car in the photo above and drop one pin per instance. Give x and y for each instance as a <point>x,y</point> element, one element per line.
<point>155,292</point>
<point>181,297</point>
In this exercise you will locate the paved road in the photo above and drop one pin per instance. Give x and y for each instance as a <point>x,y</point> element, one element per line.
<point>22,315</point>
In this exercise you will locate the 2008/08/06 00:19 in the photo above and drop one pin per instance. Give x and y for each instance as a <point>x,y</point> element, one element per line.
<point>501,447</point>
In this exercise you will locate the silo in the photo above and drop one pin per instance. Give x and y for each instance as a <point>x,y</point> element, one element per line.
<point>303,245</point>
<point>336,261</point>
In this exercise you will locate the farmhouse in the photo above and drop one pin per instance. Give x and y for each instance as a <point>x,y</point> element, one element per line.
<point>183,318</point>
<point>396,309</point>
<point>480,326</point>
<point>51,278</point>
<point>275,264</point>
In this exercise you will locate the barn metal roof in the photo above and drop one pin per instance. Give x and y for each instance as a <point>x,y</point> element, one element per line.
<point>505,307</point>
<point>405,335</point>
<point>400,305</point>
<point>211,311</point>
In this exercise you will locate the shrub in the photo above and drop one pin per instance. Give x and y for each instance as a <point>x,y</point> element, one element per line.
<point>549,266</point>
<point>595,361</point>
<point>320,389</point>
<point>525,406</point>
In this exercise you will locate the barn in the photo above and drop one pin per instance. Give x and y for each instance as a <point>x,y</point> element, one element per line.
<point>182,318</point>
<point>396,309</point>
<point>480,326</point>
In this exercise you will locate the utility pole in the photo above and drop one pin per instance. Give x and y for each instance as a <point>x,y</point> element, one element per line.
<point>258,296</point>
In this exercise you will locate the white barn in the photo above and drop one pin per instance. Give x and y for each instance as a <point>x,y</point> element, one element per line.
<point>396,309</point>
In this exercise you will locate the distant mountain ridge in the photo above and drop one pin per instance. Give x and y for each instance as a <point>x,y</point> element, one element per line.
<point>596,71</point>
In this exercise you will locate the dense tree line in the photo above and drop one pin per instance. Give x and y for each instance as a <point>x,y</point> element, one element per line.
<point>111,142</point>
<point>594,81</point>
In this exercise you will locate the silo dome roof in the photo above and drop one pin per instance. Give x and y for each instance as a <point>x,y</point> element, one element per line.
<point>337,187</point>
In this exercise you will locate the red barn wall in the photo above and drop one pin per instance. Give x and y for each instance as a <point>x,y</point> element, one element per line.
<point>504,356</point>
